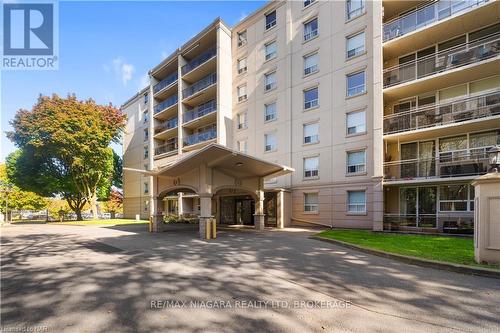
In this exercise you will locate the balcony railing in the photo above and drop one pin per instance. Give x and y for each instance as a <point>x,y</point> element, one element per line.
<point>426,15</point>
<point>165,82</point>
<point>462,55</point>
<point>200,85</point>
<point>166,125</point>
<point>199,60</point>
<point>452,222</point>
<point>200,137</point>
<point>483,106</point>
<point>200,111</point>
<point>166,148</point>
<point>458,163</point>
<point>166,104</point>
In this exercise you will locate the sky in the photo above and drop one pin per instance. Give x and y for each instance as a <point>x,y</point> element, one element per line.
<point>106,49</point>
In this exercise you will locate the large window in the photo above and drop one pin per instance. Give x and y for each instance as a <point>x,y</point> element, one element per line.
<point>242,38</point>
<point>271,50</point>
<point>308,2</point>
<point>356,84</point>
<point>354,8</point>
<point>146,152</point>
<point>242,65</point>
<point>311,167</point>
<point>356,161</point>
<point>270,111</point>
<point>311,98</point>
<point>146,134</point>
<point>356,122</point>
<point>311,133</point>
<point>242,93</point>
<point>242,120</point>
<point>145,117</point>
<point>311,202</point>
<point>356,202</point>
<point>269,81</point>
<point>458,197</point>
<point>270,141</point>
<point>311,29</point>
<point>146,188</point>
<point>355,44</point>
<point>270,20</point>
<point>311,63</point>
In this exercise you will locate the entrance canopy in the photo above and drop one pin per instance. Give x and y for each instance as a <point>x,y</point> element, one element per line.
<point>229,161</point>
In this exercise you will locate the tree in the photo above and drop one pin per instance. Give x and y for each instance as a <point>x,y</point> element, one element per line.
<point>17,199</point>
<point>117,171</point>
<point>114,204</point>
<point>69,142</point>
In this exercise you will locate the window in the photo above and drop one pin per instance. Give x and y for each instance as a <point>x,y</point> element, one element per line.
<point>311,202</point>
<point>311,167</point>
<point>356,122</point>
<point>453,198</point>
<point>354,8</point>
<point>146,152</point>
<point>355,84</point>
<point>311,29</point>
<point>242,38</point>
<point>146,98</point>
<point>145,117</point>
<point>270,111</point>
<point>308,2</point>
<point>270,142</point>
<point>311,133</point>
<point>311,64</point>
<point>146,205</point>
<point>269,81</point>
<point>242,120</point>
<point>146,134</point>
<point>356,161</point>
<point>242,93</point>
<point>356,201</point>
<point>270,20</point>
<point>146,188</point>
<point>243,146</point>
<point>271,50</point>
<point>242,65</point>
<point>355,45</point>
<point>311,98</point>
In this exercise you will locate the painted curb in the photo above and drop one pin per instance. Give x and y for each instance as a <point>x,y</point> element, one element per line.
<point>491,273</point>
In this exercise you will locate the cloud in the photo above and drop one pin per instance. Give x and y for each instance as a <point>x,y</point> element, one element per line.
<point>243,16</point>
<point>122,69</point>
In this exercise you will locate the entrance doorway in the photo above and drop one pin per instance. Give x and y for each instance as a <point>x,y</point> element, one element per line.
<point>237,210</point>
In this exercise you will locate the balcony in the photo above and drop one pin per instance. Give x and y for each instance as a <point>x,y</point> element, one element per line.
<point>425,16</point>
<point>459,56</point>
<point>168,148</point>
<point>166,128</point>
<point>196,138</point>
<point>169,80</point>
<point>199,60</point>
<point>200,85</point>
<point>472,108</point>
<point>200,111</point>
<point>451,223</point>
<point>166,104</point>
<point>458,163</point>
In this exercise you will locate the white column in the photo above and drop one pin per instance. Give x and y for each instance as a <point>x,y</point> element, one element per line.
<point>205,213</point>
<point>258,217</point>
<point>180,205</point>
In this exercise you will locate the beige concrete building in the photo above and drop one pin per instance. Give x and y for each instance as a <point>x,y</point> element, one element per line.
<point>356,114</point>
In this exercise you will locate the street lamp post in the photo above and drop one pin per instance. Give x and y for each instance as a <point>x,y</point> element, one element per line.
<point>6,188</point>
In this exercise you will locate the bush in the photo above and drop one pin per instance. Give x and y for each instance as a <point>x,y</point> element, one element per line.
<point>171,219</point>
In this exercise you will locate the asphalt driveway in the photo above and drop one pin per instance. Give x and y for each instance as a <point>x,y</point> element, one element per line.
<point>123,279</point>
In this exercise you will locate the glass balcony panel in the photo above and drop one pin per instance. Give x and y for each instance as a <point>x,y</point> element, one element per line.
<point>199,60</point>
<point>165,82</point>
<point>200,137</point>
<point>200,85</point>
<point>166,104</point>
<point>426,15</point>
<point>200,110</point>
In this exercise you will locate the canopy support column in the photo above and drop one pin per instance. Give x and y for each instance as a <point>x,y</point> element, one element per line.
<point>259,217</point>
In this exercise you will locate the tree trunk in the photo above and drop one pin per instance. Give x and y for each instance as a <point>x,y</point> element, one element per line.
<point>78,213</point>
<point>76,203</point>
<point>93,205</point>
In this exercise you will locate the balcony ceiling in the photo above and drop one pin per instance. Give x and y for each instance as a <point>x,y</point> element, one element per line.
<point>468,21</point>
<point>393,7</point>
<point>201,45</point>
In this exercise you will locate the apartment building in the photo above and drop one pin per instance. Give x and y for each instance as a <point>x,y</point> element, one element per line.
<point>383,110</point>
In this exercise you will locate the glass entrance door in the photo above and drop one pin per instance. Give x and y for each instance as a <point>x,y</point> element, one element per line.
<point>417,206</point>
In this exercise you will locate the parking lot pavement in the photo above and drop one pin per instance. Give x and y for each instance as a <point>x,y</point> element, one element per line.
<point>121,278</point>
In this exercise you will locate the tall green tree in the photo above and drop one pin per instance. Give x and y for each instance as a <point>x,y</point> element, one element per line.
<point>12,197</point>
<point>69,141</point>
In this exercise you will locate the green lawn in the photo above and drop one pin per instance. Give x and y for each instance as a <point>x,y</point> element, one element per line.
<point>455,250</point>
<point>103,222</point>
